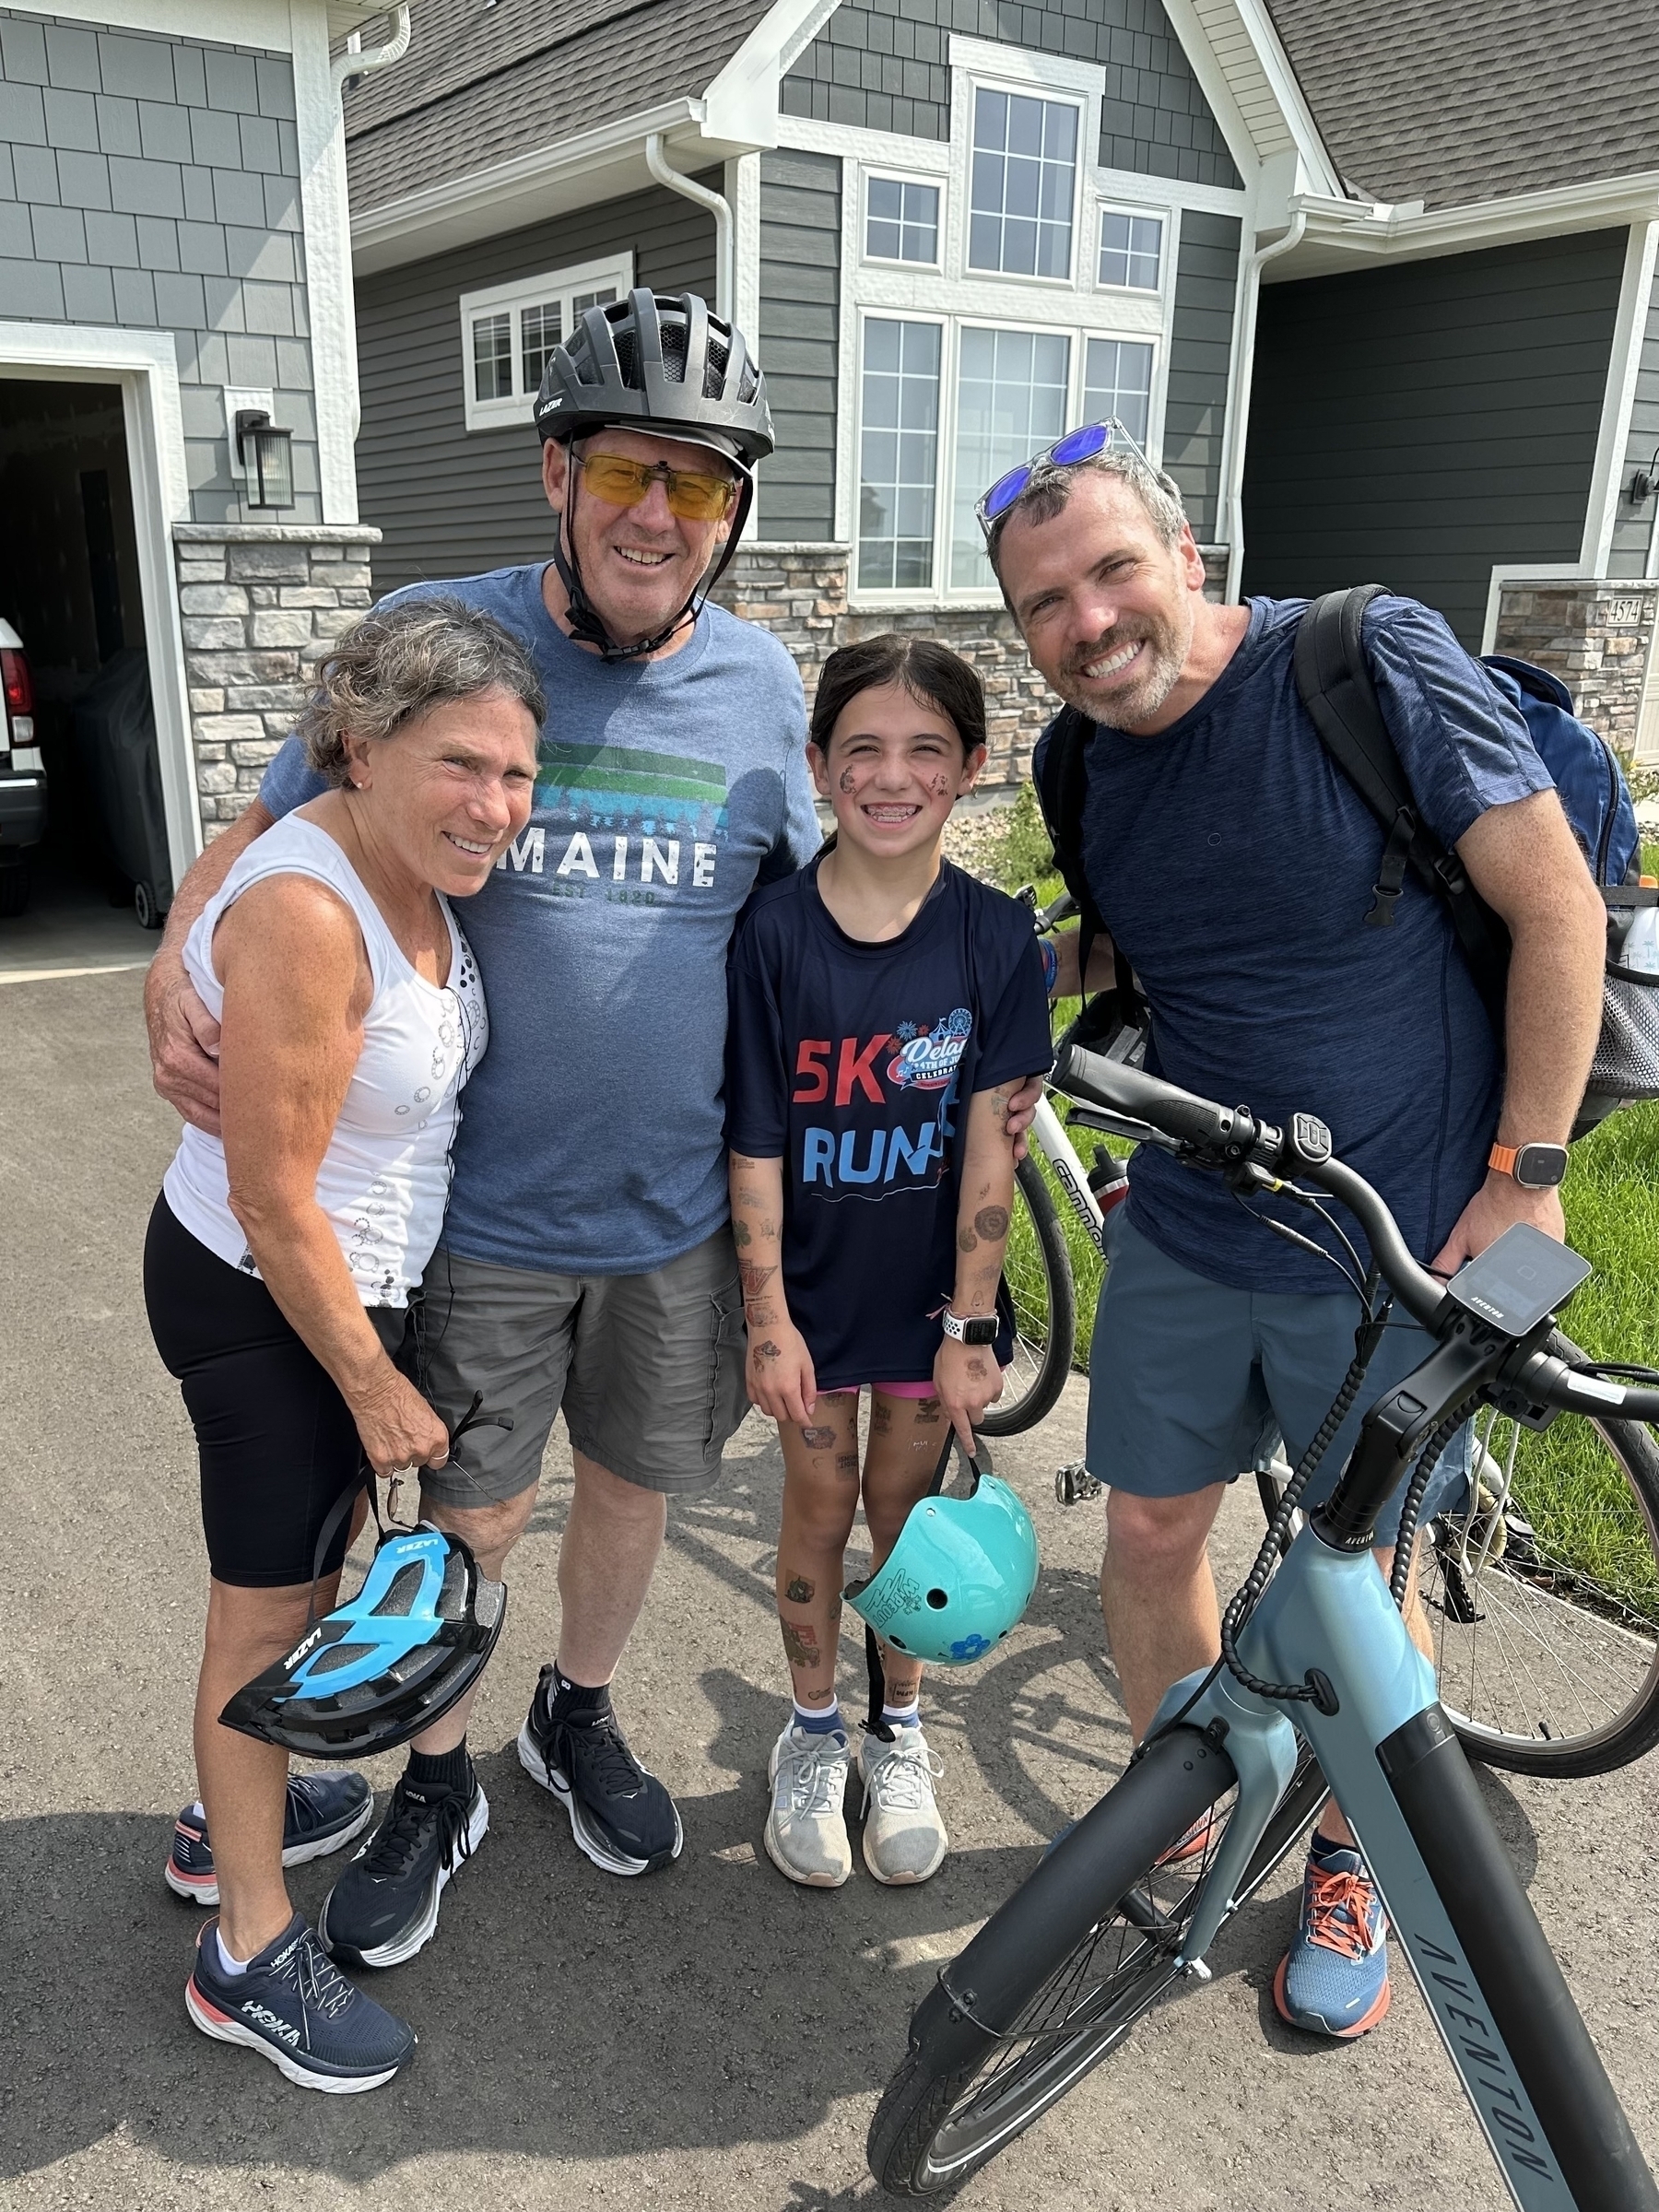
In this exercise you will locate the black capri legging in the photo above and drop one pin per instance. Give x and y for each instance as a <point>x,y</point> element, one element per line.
<point>275,1438</point>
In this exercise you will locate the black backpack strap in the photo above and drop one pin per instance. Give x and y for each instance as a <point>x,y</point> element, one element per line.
<point>1333,675</point>
<point>1062,789</point>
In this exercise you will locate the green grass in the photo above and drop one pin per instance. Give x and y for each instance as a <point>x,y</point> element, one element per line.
<point>1577,1502</point>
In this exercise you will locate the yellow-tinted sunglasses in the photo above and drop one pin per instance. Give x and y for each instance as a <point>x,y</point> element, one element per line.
<point>692,495</point>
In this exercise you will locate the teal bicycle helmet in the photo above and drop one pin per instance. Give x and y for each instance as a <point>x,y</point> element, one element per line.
<point>960,1575</point>
<point>385,1665</point>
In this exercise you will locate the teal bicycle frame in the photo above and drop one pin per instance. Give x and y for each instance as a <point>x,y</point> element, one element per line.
<point>1327,1622</point>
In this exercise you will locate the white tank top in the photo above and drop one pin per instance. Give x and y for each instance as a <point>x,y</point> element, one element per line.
<point>384,1180</point>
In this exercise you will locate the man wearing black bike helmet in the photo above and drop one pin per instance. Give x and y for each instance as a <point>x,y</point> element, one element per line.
<point>587,1259</point>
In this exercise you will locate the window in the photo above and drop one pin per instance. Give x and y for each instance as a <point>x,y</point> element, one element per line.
<point>509,332</point>
<point>901,220</point>
<point>1130,250</point>
<point>1011,394</point>
<point>1117,381</point>
<point>899,441</point>
<point>1023,176</point>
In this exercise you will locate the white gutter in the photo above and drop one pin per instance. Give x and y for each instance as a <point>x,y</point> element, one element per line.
<point>718,206</point>
<point>354,62</point>
<point>1406,231</point>
<point>1244,325</point>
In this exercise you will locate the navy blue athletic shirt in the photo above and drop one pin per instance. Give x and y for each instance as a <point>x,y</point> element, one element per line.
<point>851,1062</point>
<point>1232,860</point>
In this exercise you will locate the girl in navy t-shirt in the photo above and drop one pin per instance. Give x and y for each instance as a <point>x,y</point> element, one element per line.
<point>884,1008</point>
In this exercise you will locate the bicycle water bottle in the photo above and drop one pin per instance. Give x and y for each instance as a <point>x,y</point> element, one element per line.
<point>1641,939</point>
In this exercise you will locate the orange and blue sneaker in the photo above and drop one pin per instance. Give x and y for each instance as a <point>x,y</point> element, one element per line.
<point>1334,1979</point>
<point>323,1814</point>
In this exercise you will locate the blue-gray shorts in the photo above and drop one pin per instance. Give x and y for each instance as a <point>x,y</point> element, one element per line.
<point>1185,1375</point>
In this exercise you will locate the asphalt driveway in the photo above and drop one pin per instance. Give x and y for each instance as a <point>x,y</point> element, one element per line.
<point>708,2037</point>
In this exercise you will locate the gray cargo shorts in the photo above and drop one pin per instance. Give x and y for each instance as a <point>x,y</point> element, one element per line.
<point>647,1368</point>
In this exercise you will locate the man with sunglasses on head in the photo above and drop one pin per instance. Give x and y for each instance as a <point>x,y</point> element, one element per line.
<point>1233,864</point>
<point>587,1258</point>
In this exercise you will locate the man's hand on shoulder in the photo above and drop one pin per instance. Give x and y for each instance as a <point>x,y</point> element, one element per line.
<point>183,1037</point>
<point>1499,1202</point>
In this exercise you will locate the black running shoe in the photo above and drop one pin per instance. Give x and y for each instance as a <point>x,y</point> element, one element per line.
<point>621,1816</point>
<point>322,1813</point>
<point>295,2008</point>
<point>385,1906</point>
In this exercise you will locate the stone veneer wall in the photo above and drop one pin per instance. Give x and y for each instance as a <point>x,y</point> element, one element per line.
<point>261,604</point>
<point>1596,633</point>
<point>800,591</point>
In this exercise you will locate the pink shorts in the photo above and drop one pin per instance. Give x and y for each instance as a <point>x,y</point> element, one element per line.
<point>891,1390</point>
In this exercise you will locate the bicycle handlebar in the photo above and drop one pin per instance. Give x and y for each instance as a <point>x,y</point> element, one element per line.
<point>1232,1137</point>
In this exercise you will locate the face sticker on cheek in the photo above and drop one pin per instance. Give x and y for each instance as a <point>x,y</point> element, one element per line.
<point>847,781</point>
<point>941,787</point>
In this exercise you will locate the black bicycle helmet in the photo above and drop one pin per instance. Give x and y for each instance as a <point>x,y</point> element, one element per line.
<point>662,363</point>
<point>388,1664</point>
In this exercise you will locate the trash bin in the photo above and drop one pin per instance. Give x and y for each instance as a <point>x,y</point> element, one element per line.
<point>115,756</point>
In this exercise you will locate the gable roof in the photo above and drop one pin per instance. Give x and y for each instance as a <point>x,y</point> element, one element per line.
<point>1454,102</point>
<point>481,83</point>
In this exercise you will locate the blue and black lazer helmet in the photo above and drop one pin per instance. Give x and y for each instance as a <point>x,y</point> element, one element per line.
<point>386,1664</point>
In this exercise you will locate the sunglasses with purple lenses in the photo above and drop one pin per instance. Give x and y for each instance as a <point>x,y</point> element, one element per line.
<point>1065,453</point>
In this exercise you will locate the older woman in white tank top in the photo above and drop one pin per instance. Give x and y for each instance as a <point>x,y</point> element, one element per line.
<point>283,1250</point>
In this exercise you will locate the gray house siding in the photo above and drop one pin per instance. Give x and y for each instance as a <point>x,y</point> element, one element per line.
<point>884,65</point>
<point>1634,527</point>
<point>451,502</point>
<point>1206,277</point>
<point>153,184</point>
<point>1417,424</point>
<point>800,303</point>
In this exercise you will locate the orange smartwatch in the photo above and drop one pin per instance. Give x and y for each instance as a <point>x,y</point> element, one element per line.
<point>1534,1167</point>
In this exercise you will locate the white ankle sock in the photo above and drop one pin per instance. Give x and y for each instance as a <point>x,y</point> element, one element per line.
<point>234,1966</point>
<point>818,1719</point>
<point>902,1716</point>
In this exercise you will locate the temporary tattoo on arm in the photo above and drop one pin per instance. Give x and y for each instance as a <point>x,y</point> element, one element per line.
<point>818,1440</point>
<point>800,1643</point>
<point>769,1350</point>
<point>754,1278</point>
<point>967,1241</point>
<point>992,1222</point>
<point>976,1367</point>
<point>740,1235</point>
<point>799,1591</point>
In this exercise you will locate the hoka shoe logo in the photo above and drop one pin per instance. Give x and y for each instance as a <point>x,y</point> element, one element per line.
<point>263,2017</point>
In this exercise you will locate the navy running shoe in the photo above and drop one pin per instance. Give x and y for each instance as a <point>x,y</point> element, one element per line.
<point>294,2006</point>
<point>620,1815</point>
<point>1334,1979</point>
<point>323,1814</point>
<point>385,1906</point>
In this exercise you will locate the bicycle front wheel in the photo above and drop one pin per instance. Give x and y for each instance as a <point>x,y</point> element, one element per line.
<point>1037,1269</point>
<point>1543,1592</point>
<point>1069,1987</point>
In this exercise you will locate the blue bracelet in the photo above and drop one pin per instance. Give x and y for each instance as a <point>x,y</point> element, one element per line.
<point>1051,965</point>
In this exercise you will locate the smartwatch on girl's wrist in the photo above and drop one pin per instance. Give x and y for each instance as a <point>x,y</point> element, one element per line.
<point>969,1328</point>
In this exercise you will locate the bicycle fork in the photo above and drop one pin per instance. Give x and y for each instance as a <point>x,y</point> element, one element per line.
<point>1491,1982</point>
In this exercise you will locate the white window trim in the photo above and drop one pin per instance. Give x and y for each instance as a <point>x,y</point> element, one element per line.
<point>997,315</point>
<point>615,270</point>
<point>888,174</point>
<point>967,83</point>
<point>1165,216</point>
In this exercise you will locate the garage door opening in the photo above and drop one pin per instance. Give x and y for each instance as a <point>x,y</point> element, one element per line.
<point>70,590</point>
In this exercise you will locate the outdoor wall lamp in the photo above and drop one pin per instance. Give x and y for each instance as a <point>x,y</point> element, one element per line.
<point>266,455</point>
<point>1643,481</point>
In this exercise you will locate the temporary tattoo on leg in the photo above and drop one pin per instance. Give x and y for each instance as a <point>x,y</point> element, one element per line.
<point>799,1591</point>
<point>881,1419</point>
<point>800,1643</point>
<point>927,1411</point>
<point>992,1222</point>
<point>818,1440</point>
<point>846,1463</point>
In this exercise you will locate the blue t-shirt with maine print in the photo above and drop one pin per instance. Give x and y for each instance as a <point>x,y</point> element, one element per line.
<point>1233,862</point>
<point>592,1141</point>
<point>851,1063</point>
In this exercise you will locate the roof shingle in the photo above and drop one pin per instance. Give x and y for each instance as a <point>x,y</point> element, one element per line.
<point>1450,101</point>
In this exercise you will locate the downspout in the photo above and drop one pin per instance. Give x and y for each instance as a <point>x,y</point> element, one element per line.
<point>345,68</point>
<point>1242,381</point>
<point>355,63</point>
<point>719,207</point>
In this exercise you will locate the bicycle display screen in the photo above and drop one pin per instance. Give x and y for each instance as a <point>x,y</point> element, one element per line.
<point>1515,1282</point>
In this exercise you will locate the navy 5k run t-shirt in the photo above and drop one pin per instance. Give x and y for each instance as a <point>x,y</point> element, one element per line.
<point>852,1063</point>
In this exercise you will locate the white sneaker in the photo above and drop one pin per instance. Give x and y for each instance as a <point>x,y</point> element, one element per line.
<point>904,1839</point>
<point>807,1829</point>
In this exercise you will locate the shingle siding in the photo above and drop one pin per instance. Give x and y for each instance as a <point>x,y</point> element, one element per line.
<point>1634,527</point>
<point>1206,277</point>
<point>884,65</point>
<point>451,502</point>
<point>1415,425</point>
<point>154,183</point>
<point>797,340</point>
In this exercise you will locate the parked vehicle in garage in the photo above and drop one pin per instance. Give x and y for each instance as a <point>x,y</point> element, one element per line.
<point>22,777</point>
